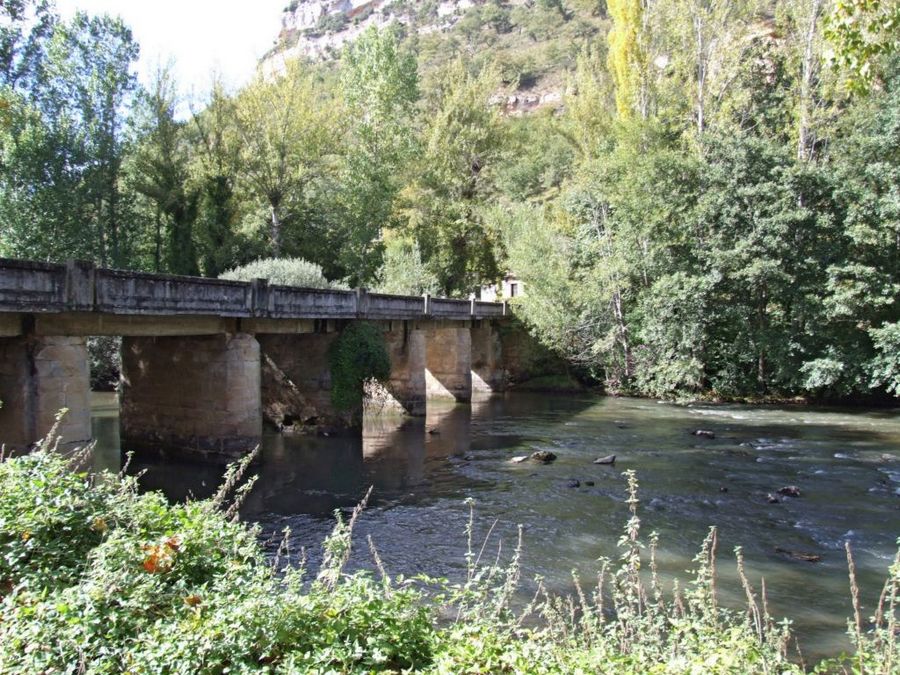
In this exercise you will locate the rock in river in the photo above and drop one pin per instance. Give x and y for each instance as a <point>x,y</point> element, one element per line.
<point>789,491</point>
<point>543,456</point>
<point>573,483</point>
<point>704,433</point>
<point>518,459</point>
<point>609,459</point>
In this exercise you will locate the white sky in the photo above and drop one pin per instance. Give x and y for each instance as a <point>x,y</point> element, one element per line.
<point>200,36</point>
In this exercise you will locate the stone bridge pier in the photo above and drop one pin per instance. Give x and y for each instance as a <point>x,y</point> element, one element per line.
<point>406,346</point>
<point>198,395</point>
<point>448,363</point>
<point>39,376</point>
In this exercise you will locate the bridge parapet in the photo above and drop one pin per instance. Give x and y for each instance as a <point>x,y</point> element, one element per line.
<point>445,308</point>
<point>383,306</point>
<point>32,286</point>
<point>35,287</point>
<point>292,302</point>
<point>122,292</point>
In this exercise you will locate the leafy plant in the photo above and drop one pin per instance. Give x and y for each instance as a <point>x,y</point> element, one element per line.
<point>358,355</point>
<point>281,271</point>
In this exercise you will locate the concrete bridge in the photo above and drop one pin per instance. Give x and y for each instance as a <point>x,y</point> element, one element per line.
<point>204,361</point>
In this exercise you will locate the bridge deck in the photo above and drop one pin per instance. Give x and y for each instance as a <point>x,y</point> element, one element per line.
<point>31,287</point>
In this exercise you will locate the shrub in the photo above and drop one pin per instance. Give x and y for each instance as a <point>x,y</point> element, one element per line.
<point>404,273</point>
<point>357,356</point>
<point>281,271</point>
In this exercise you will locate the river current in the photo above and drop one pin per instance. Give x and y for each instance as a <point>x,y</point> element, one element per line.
<point>846,464</point>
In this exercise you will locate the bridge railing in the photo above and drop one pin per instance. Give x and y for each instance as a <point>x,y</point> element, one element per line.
<point>121,292</point>
<point>31,286</point>
<point>289,302</point>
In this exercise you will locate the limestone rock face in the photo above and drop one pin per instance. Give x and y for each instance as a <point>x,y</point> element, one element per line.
<point>319,29</point>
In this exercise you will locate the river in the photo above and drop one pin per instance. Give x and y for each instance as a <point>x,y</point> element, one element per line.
<point>845,462</point>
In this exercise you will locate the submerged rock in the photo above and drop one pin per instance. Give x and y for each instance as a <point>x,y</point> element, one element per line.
<point>789,491</point>
<point>772,499</point>
<point>704,433</point>
<point>609,459</point>
<point>543,456</point>
<point>799,555</point>
<point>573,483</point>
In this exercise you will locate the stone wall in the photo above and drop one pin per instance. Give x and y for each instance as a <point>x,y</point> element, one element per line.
<point>197,395</point>
<point>39,376</point>
<point>525,360</point>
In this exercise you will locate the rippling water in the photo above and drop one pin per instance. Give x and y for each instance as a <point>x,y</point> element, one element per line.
<point>845,462</point>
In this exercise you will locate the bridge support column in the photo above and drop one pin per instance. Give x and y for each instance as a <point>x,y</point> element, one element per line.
<point>198,396</point>
<point>488,372</point>
<point>38,377</point>
<point>406,389</point>
<point>448,372</point>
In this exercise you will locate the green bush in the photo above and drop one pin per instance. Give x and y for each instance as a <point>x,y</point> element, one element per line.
<point>357,356</point>
<point>404,273</point>
<point>281,271</point>
<point>97,578</point>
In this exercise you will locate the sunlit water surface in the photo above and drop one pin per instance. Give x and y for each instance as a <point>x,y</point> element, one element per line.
<point>845,462</point>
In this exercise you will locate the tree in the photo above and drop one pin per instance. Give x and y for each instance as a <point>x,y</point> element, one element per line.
<point>90,85</point>
<point>159,166</point>
<point>442,209</point>
<point>286,131</point>
<point>213,170</point>
<point>25,26</point>
<point>627,59</point>
<point>379,82</point>
<point>64,141</point>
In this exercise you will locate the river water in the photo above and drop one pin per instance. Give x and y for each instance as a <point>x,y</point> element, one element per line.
<point>845,462</point>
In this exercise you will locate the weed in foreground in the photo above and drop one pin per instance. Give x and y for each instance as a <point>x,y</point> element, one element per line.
<point>95,577</point>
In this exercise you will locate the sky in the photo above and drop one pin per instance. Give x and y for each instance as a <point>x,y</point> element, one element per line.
<point>200,36</point>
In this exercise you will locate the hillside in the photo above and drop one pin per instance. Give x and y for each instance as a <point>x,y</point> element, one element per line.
<point>534,44</point>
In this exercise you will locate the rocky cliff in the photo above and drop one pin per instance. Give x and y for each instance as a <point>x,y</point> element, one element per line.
<point>535,42</point>
<point>319,28</point>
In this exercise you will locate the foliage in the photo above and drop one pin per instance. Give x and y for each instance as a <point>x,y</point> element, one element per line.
<point>357,356</point>
<point>95,574</point>
<point>281,271</point>
<point>861,31</point>
<point>442,206</point>
<point>403,271</point>
<point>284,132</point>
<point>105,357</point>
<point>886,364</point>
<point>379,81</point>
<point>626,59</point>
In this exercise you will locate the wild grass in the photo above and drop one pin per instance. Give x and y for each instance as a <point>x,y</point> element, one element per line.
<point>98,578</point>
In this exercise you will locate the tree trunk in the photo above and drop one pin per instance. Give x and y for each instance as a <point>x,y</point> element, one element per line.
<point>805,136</point>
<point>275,228</point>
